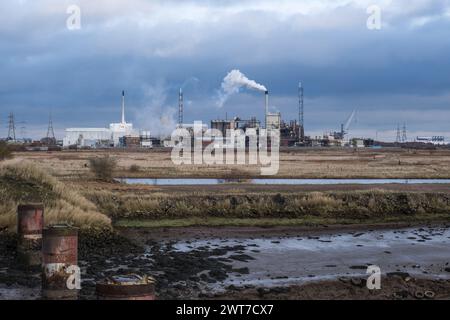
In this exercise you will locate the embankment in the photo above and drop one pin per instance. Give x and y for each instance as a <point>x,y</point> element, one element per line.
<point>339,207</point>
<point>22,183</point>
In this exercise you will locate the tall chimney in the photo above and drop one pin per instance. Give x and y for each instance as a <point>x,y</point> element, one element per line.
<point>123,106</point>
<point>267,106</point>
<point>180,107</point>
<point>301,120</point>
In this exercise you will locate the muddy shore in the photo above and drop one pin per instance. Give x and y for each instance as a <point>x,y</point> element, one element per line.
<point>205,263</point>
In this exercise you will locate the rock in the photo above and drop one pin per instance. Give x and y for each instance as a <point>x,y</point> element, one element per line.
<point>263,291</point>
<point>402,275</point>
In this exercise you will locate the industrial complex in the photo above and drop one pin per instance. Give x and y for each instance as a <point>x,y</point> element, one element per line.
<point>292,133</point>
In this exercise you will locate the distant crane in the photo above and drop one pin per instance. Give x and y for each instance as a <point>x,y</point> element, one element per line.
<point>345,127</point>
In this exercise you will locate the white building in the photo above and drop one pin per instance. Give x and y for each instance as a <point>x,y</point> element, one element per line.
<point>90,137</point>
<point>273,120</point>
<point>436,140</point>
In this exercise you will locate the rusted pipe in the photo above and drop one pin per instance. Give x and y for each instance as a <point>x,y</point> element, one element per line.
<point>30,221</point>
<point>126,287</point>
<point>60,271</point>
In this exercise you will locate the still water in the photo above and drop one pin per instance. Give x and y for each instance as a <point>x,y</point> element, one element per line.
<point>189,181</point>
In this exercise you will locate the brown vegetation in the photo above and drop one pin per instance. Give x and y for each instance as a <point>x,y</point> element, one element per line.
<point>22,183</point>
<point>295,163</point>
<point>103,167</point>
<point>5,151</point>
<point>360,205</point>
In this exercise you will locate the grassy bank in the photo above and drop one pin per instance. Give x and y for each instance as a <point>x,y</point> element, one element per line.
<point>88,203</point>
<point>306,206</point>
<point>22,183</point>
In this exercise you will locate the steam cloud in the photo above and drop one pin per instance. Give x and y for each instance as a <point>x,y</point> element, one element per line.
<point>156,116</point>
<point>233,82</point>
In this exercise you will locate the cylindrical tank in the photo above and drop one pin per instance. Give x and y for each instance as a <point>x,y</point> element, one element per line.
<point>126,287</point>
<point>30,221</point>
<point>60,272</point>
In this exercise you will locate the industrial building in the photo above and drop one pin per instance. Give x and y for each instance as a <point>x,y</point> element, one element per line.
<point>290,134</point>
<point>100,137</point>
<point>233,124</point>
<point>435,140</point>
<point>273,120</point>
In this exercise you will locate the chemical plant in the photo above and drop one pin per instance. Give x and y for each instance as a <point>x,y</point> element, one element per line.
<point>292,133</point>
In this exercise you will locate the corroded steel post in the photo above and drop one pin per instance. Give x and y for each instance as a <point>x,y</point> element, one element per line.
<point>30,221</point>
<point>127,287</point>
<point>60,274</point>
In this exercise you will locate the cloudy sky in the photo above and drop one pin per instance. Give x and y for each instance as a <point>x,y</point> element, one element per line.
<point>149,48</point>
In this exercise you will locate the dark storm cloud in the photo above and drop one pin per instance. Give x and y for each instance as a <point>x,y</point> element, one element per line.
<point>151,47</point>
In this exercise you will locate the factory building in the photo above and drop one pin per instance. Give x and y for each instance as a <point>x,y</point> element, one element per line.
<point>289,133</point>
<point>100,137</point>
<point>273,120</point>
<point>233,124</point>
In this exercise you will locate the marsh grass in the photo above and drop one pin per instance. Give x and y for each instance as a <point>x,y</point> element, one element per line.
<point>22,183</point>
<point>362,205</point>
<point>5,151</point>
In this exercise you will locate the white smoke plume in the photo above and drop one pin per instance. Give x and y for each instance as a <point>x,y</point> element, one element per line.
<point>157,116</point>
<point>233,82</point>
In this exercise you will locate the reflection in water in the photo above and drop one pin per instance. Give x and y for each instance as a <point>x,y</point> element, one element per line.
<point>185,182</point>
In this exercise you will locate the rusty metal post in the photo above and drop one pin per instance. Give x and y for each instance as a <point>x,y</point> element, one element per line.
<point>30,221</point>
<point>60,272</point>
<point>127,287</point>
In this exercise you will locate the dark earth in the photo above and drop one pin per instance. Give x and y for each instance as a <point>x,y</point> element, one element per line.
<point>190,274</point>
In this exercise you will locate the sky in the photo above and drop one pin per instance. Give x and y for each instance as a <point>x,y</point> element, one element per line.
<point>396,74</point>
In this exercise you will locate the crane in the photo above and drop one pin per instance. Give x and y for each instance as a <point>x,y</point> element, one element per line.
<point>345,127</point>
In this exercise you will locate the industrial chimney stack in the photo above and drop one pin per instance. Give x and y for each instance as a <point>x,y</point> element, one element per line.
<point>267,107</point>
<point>123,106</point>
<point>301,120</point>
<point>180,107</point>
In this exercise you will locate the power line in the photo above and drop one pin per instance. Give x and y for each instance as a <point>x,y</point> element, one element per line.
<point>50,131</point>
<point>11,127</point>
<point>398,139</point>
<point>404,136</point>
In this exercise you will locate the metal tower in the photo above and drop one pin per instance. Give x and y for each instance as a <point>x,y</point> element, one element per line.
<point>22,129</point>
<point>301,120</point>
<point>12,127</point>
<point>180,107</point>
<point>50,132</point>
<point>123,107</point>
<point>404,136</point>
<point>398,139</point>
